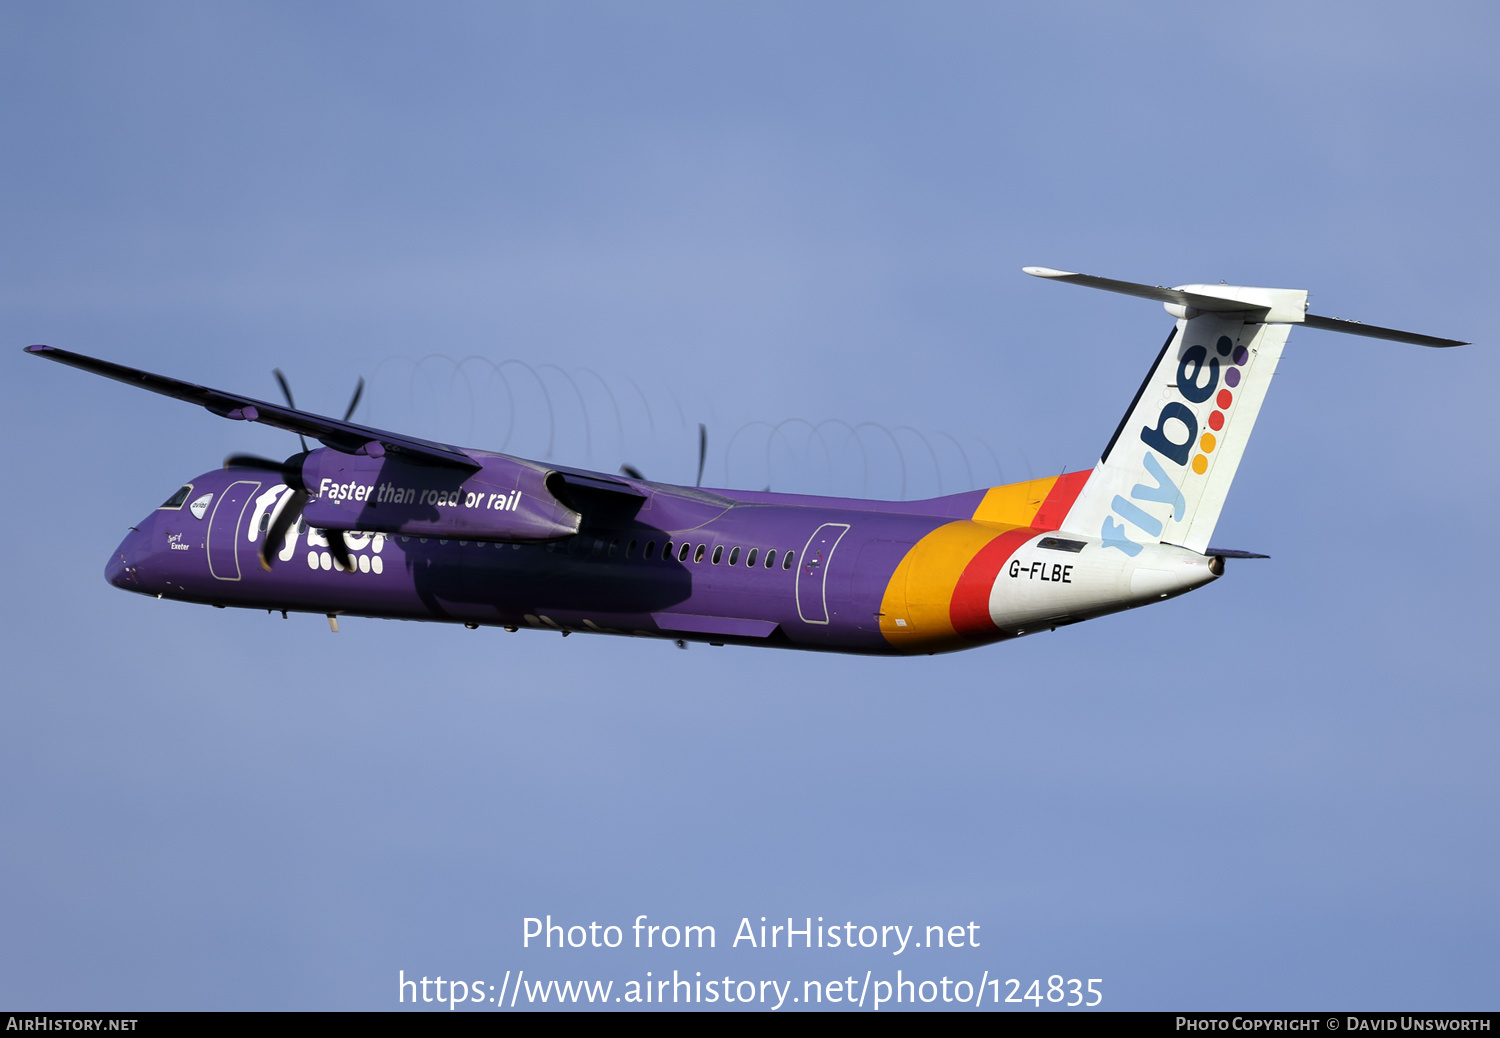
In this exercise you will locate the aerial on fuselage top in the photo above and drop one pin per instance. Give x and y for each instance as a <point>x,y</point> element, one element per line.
<point>378,524</point>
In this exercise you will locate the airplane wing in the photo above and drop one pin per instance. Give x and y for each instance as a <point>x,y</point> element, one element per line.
<point>341,436</point>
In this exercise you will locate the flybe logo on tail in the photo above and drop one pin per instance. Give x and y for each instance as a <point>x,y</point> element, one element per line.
<point>1175,436</point>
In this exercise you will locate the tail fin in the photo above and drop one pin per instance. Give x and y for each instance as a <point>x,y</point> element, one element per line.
<point>1166,472</point>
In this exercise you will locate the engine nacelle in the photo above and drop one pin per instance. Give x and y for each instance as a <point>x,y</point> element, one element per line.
<point>505,499</point>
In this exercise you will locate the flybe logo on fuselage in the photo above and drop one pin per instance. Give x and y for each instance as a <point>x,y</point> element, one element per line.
<point>1174,436</point>
<point>268,506</point>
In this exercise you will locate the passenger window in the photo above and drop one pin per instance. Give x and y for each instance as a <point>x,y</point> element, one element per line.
<point>786,560</point>
<point>630,549</point>
<point>666,551</point>
<point>734,556</point>
<point>770,557</point>
<point>598,547</point>
<point>698,555</point>
<point>651,548</point>
<point>718,553</point>
<point>265,521</point>
<point>177,499</point>
<point>750,559</point>
<point>682,553</point>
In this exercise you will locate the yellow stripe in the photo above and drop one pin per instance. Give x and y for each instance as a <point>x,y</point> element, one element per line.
<point>1016,504</point>
<point>920,592</point>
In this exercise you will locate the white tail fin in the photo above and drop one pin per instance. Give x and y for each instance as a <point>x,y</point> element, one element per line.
<point>1166,472</point>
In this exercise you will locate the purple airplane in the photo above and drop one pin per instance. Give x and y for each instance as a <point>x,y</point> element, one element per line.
<point>384,525</point>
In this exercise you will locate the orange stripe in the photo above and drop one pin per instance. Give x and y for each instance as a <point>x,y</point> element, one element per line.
<point>920,592</point>
<point>1014,504</point>
<point>939,597</point>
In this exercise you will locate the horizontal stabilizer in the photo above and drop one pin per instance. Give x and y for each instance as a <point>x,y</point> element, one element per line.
<point>1276,305</point>
<point>1265,305</point>
<point>1371,331</point>
<point>1233,553</point>
<point>341,436</point>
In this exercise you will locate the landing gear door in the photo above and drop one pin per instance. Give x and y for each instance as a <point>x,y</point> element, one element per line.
<point>224,529</point>
<point>812,572</point>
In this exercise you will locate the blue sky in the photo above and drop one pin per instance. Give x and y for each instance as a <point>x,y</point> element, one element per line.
<point>1278,792</point>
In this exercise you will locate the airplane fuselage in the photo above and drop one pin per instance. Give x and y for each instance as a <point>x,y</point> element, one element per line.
<point>383,524</point>
<point>712,566</point>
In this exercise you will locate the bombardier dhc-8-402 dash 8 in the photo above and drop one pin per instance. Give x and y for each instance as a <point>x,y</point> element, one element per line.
<point>383,525</point>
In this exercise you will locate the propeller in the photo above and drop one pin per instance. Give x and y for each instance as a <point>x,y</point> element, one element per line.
<point>289,509</point>
<point>255,461</point>
<point>339,550</point>
<point>359,389</point>
<point>286,391</point>
<point>635,473</point>
<point>287,513</point>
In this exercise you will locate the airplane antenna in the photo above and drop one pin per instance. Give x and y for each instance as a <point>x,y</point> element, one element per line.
<point>702,451</point>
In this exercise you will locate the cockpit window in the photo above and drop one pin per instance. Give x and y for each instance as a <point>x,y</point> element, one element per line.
<point>177,499</point>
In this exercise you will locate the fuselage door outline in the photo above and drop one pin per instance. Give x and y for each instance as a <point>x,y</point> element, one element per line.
<point>812,572</point>
<point>224,532</point>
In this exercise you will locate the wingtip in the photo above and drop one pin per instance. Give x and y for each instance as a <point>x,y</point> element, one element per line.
<point>1047,272</point>
<point>38,349</point>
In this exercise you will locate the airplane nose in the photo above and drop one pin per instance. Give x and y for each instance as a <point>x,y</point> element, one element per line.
<point>122,568</point>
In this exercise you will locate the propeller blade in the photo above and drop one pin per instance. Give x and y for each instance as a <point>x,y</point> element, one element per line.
<point>286,391</point>
<point>287,513</point>
<point>338,549</point>
<point>631,471</point>
<point>358,391</point>
<point>290,469</point>
<point>702,451</point>
<point>252,461</point>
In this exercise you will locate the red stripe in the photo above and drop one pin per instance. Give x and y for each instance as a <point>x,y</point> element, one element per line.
<point>1059,499</point>
<point>969,609</point>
